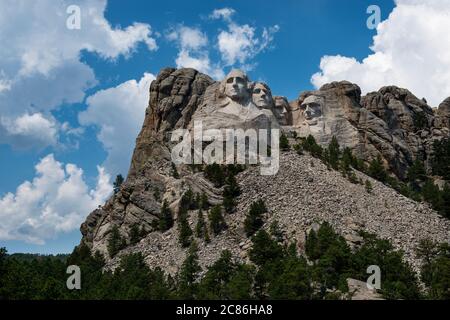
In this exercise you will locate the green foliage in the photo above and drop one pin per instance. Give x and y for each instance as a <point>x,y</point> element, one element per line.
<point>115,241</point>
<point>332,257</point>
<point>117,183</point>
<point>188,201</point>
<point>215,174</point>
<point>435,271</point>
<point>201,230</point>
<point>185,232</point>
<point>276,231</point>
<point>280,273</point>
<point>135,234</point>
<point>441,158</point>
<point>420,120</point>
<point>398,279</point>
<point>368,186</point>
<point>446,201</point>
<point>298,148</point>
<point>284,143</point>
<point>166,218</point>
<point>254,218</point>
<point>416,175</point>
<point>204,203</point>
<point>265,249</point>
<point>188,274</point>
<point>292,280</point>
<point>173,171</point>
<point>226,279</point>
<point>216,220</point>
<point>377,170</point>
<point>231,191</point>
<point>334,153</point>
<point>311,146</point>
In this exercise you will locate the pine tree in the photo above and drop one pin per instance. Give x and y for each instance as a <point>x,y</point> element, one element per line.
<point>254,219</point>
<point>174,171</point>
<point>369,187</point>
<point>166,218</point>
<point>200,228</point>
<point>264,249</point>
<point>377,171</point>
<point>115,242</point>
<point>185,232</point>
<point>441,158</point>
<point>311,145</point>
<point>215,174</point>
<point>276,232</point>
<point>217,222</point>
<point>188,274</point>
<point>135,234</point>
<point>417,175</point>
<point>284,143</point>
<point>231,191</point>
<point>334,153</point>
<point>432,194</point>
<point>446,201</point>
<point>204,204</point>
<point>117,183</point>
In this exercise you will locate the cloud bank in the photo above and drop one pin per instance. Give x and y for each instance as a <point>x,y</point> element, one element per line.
<point>56,201</point>
<point>410,50</point>
<point>40,66</point>
<point>118,113</point>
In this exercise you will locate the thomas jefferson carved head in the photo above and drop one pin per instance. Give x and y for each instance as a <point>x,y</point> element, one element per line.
<point>262,96</point>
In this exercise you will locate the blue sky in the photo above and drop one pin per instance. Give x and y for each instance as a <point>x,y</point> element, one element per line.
<point>56,151</point>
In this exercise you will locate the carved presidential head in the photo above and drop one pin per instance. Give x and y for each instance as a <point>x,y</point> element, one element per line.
<point>282,110</point>
<point>312,109</point>
<point>235,86</point>
<point>262,96</point>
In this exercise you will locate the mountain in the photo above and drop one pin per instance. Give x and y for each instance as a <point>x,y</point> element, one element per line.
<point>155,203</point>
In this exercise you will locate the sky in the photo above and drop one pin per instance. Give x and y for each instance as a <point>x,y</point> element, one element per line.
<point>75,75</point>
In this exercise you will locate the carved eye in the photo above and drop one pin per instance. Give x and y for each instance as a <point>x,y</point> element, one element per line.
<point>240,80</point>
<point>230,80</point>
<point>257,91</point>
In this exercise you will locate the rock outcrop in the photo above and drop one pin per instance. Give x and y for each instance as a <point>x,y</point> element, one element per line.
<point>392,123</point>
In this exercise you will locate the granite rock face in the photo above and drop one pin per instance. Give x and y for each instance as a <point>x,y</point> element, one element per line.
<point>392,123</point>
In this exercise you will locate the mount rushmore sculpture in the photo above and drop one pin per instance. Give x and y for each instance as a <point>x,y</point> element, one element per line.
<point>384,123</point>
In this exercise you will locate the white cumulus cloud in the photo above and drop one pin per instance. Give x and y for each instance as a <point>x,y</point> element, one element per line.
<point>56,201</point>
<point>236,46</point>
<point>118,113</point>
<point>28,130</point>
<point>241,43</point>
<point>411,50</point>
<point>193,50</point>
<point>40,66</point>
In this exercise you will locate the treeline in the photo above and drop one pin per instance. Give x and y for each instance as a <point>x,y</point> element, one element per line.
<point>418,185</point>
<point>276,271</point>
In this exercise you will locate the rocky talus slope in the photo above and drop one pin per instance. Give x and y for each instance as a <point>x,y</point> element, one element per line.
<point>313,195</point>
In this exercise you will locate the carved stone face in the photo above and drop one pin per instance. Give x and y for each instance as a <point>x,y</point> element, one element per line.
<point>312,109</point>
<point>281,110</point>
<point>236,85</point>
<point>262,96</point>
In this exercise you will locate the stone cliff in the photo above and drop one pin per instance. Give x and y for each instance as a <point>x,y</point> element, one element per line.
<point>392,123</point>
